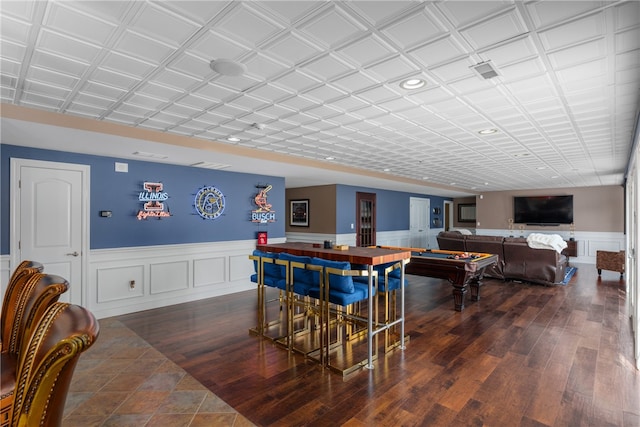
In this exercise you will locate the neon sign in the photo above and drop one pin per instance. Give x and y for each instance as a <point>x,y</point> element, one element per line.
<point>153,198</point>
<point>209,202</point>
<point>264,213</point>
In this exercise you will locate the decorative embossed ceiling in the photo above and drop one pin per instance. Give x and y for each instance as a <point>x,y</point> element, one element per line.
<point>323,77</point>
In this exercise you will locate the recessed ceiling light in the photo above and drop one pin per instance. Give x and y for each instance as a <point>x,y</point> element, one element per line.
<point>329,158</point>
<point>233,139</point>
<point>228,67</point>
<point>487,131</point>
<point>386,169</point>
<point>425,177</point>
<point>541,168</point>
<point>412,84</point>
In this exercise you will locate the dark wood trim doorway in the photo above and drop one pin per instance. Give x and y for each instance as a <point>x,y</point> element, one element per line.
<point>365,219</point>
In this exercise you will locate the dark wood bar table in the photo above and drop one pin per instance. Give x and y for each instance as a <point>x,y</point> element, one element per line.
<point>355,255</point>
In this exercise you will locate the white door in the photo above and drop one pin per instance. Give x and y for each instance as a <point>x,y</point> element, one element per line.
<point>49,221</point>
<point>419,222</point>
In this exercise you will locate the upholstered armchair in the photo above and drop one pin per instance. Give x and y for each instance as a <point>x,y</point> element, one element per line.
<point>10,304</point>
<point>31,296</point>
<point>47,362</point>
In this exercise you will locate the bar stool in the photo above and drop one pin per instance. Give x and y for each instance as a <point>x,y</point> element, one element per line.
<point>268,274</point>
<point>337,287</point>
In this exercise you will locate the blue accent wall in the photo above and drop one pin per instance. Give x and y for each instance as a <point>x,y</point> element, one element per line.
<point>118,192</point>
<point>392,208</point>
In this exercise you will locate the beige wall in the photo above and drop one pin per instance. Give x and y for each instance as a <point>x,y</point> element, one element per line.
<point>594,208</point>
<point>322,208</point>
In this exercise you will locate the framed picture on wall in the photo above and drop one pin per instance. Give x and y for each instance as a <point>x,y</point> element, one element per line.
<point>467,212</point>
<point>299,213</point>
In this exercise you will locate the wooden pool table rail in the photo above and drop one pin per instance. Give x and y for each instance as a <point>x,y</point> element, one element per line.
<point>462,273</point>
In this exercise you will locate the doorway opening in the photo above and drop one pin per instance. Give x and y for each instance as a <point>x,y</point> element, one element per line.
<point>365,219</point>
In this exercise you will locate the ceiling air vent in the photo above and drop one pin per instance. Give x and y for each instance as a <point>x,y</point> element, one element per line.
<point>150,155</point>
<point>486,70</point>
<point>209,165</point>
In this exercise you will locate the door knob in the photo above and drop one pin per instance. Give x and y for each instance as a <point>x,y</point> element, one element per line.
<point>74,253</point>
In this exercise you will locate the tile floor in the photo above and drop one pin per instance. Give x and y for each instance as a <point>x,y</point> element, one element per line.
<point>123,381</point>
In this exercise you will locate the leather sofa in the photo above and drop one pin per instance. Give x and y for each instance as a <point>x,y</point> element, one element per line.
<point>516,260</point>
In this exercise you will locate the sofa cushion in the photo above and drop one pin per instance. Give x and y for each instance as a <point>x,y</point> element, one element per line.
<point>544,266</point>
<point>546,241</point>
<point>451,240</point>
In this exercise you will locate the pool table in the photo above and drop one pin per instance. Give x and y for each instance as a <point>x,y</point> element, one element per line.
<point>462,269</point>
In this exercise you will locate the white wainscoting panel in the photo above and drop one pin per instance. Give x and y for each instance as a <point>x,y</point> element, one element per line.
<point>209,271</point>
<point>169,277</point>
<point>240,267</point>
<point>5,273</point>
<point>166,275</point>
<point>601,245</point>
<point>400,238</point>
<point>114,284</point>
<point>433,237</point>
<point>344,239</point>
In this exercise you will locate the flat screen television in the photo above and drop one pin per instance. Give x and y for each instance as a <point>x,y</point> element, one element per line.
<point>543,210</point>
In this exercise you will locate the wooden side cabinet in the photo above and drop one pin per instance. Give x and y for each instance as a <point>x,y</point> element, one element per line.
<point>572,248</point>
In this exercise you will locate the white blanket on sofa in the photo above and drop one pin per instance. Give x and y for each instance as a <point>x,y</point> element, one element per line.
<point>546,241</point>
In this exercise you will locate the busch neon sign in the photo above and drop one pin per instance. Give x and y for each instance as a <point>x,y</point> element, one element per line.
<point>264,213</point>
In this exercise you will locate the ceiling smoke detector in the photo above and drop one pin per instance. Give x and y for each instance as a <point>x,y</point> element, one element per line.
<point>228,67</point>
<point>485,70</point>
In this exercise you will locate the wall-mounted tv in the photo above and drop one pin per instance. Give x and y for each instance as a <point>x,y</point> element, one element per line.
<point>543,210</point>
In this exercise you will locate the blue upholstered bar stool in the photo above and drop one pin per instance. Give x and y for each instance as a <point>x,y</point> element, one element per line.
<point>339,293</point>
<point>268,274</point>
<point>302,310</point>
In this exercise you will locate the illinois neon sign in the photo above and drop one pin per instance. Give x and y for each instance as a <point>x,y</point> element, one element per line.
<point>153,198</point>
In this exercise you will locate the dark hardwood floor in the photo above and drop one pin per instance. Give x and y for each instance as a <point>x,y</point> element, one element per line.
<point>524,355</point>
